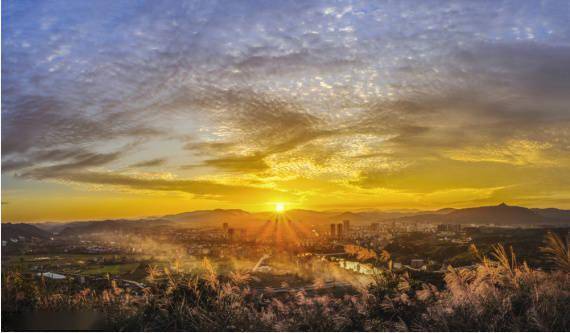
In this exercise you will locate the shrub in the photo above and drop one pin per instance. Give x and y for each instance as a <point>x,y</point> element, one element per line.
<point>500,294</point>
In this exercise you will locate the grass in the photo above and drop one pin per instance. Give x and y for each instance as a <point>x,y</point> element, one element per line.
<point>501,293</point>
<point>117,269</point>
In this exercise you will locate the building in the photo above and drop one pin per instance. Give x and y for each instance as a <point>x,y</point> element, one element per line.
<point>346,225</point>
<point>449,228</point>
<point>333,230</point>
<point>339,232</point>
<point>231,232</point>
<point>51,275</point>
<point>375,227</point>
<point>225,227</point>
<point>366,269</point>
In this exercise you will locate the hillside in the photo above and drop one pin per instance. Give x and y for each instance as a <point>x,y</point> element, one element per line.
<point>208,217</point>
<point>502,214</point>
<point>109,226</point>
<point>11,230</point>
<point>553,214</point>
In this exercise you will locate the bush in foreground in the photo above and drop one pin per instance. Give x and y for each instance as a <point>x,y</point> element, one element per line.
<point>500,294</point>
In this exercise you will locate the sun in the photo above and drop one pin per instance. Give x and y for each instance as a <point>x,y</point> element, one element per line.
<point>279,207</point>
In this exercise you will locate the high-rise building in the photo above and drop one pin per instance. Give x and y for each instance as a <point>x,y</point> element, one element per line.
<point>449,227</point>
<point>225,228</point>
<point>346,225</point>
<point>339,230</point>
<point>231,232</point>
<point>333,230</point>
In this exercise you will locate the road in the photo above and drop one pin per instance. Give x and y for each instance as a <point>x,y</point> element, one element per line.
<point>261,260</point>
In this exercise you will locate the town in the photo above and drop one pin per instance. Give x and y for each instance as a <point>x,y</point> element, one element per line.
<point>281,254</point>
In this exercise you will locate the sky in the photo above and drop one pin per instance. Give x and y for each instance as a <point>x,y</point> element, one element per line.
<point>142,108</point>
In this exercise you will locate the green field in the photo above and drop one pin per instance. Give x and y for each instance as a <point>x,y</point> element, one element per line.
<point>116,269</point>
<point>84,264</point>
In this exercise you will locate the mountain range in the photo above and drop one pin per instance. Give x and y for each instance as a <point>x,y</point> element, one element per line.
<point>502,215</point>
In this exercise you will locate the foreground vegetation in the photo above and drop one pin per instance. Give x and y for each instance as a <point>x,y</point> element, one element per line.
<point>500,294</point>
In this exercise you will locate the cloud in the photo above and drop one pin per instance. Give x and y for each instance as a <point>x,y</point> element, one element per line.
<point>209,148</point>
<point>261,125</point>
<point>65,159</point>
<point>533,71</point>
<point>200,188</point>
<point>61,169</point>
<point>445,174</point>
<point>361,92</point>
<point>149,163</point>
<point>239,163</point>
<point>488,95</point>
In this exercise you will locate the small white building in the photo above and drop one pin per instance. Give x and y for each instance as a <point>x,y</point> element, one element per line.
<point>51,275</point>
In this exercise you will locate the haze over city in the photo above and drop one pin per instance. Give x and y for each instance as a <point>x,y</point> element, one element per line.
<point>128,109</point>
